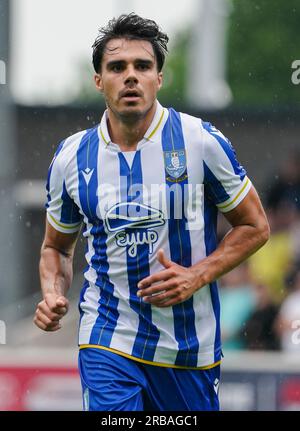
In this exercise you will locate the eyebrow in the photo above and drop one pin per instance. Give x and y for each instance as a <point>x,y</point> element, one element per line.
<point>137,60</point>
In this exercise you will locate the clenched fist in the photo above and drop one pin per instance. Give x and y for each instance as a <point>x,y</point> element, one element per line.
<point>50,311</point>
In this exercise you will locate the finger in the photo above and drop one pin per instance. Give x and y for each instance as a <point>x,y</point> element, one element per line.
<point>61,311</point>
<point>50,300</point>
<point>44,319</point>
<point>153,300</point>
<point>163,260</point>
<point>155,289</point>
<point>42,325</point>
<point>62,305</point>
<point>44,309</point>
<point>161,297</point>
<point>62,302</point>
<point>52,329</point>
<point>169,302</point>
<point>157,277</point>
<point>60,308</point>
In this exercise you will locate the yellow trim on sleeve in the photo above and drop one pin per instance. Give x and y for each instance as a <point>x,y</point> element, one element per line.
<point>143,361</point>
<point>237,196</point>
<point>65,226</point>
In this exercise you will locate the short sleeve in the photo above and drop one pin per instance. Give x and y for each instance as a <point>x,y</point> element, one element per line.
<point>62,212</point>
<point>225,180</point>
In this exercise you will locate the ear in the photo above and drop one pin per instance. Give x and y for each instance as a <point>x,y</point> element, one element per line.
<point>159,80</point>
<point>98,82</point>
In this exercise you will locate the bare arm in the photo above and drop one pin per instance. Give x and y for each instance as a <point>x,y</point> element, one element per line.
<point>56,273</point>
<point>250,231</point>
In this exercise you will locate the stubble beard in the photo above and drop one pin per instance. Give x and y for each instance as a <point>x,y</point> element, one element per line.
<point>129,117</point>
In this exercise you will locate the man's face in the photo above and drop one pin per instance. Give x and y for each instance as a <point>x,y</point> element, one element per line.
<point>129,78</point>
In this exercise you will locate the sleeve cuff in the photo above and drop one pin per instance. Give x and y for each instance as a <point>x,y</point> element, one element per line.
<point>237,198</point>
<point>63,227</point>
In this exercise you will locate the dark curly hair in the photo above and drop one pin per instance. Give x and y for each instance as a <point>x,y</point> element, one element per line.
<point>131,27</point>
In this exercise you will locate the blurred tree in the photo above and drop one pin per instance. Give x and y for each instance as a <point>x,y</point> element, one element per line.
<point>86,91</point>
<point>173,90</point>
<point>263,43</point>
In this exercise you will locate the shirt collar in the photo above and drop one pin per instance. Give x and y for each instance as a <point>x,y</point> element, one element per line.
<point>151,134</point>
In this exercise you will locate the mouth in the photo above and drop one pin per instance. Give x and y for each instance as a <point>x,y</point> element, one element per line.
<point>130,95</point>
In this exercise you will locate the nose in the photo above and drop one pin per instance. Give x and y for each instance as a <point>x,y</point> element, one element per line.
<point>130,76</point>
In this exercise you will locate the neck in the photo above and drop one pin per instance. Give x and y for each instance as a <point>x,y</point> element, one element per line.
<point>128,133</point>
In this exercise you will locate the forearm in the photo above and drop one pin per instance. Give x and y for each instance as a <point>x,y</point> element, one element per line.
<point>240,243</point>
<point>56,271</point>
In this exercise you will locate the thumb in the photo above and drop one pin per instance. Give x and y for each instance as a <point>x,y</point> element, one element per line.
<point>161,257</point>
<point>62,301</point>
<point>57,303</point>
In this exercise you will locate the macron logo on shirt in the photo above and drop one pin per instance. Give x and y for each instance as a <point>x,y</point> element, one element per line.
<point>216,385</point>
<point>87,174</point>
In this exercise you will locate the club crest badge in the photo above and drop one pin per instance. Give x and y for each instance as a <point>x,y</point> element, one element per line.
<point>175,163</point>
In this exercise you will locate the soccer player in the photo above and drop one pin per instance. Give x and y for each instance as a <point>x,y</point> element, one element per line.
<point>146,185</point>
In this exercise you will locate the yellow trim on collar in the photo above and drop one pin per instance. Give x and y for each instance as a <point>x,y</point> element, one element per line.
<point>102,136</point>
<point>157,126</point>
<point>147,137</point>
<point>143,361</point>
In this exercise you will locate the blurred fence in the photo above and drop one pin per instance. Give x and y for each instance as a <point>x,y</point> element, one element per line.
<point>47,379</point>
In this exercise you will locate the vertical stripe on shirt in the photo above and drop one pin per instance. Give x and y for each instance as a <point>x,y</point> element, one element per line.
<point>210,236</point>
<point>180,250</point>
<point>138,266</point>
<point>87,159</point>
<point>69,210</point>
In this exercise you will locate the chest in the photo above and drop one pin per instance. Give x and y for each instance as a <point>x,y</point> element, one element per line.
<point>149,184</point>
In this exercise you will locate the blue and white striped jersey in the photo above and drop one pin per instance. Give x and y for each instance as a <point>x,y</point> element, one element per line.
<point>166,194</point>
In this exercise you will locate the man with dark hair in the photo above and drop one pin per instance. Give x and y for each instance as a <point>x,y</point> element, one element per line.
<point>131,27</point>
<point>146,184</point>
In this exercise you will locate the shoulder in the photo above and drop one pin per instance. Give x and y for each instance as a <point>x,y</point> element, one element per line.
<point>71,143</point>
<point>68,147</point>
<point>204,132</point>
<point>217,148</point>
<point>196,124</point>
<point>188,121</point>
<point>215,141</point>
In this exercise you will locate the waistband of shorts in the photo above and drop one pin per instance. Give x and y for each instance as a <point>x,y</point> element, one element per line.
<point>143,361</point>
